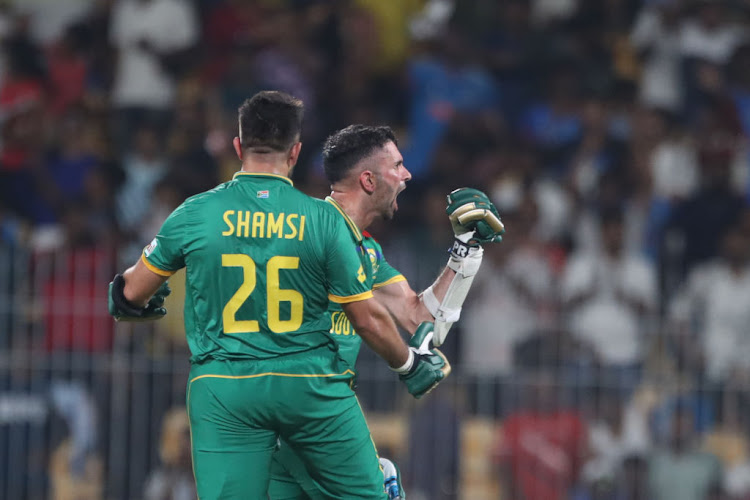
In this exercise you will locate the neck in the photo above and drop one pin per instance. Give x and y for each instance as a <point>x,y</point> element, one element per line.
<point>354,206</point>
<point>266,164</point>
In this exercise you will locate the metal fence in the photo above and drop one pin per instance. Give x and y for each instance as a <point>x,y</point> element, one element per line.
<point>83,401</point>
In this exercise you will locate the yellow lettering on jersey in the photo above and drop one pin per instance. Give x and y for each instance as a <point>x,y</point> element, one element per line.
<point>292,227</point>
<point>243,223</point>
<point>301,227</point>
<point>259,221</point>
<point>264,225</point>
<point>230,226</point>
<point>361,275</point>
<point>275,225</point>
<point>340,324</point>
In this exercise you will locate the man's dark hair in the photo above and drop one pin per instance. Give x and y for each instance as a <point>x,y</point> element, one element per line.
<point>270,121</point>
<point>345,148</point>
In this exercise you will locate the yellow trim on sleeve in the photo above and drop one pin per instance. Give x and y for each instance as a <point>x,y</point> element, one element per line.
<point>156,270</point>
<point>395,279</point>
<point>351,298</point>
<point>263,174</point>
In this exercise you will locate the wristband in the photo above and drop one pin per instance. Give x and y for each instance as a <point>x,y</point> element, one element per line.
<point>468,265</point>
<point>406,367</point>
<point>459,249</point>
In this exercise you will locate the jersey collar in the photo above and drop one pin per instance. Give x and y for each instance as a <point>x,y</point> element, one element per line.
<point>352,226</point>
<point>268,176</point>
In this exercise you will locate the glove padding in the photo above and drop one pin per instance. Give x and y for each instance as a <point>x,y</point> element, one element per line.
<point>470,210</point>
<point>122,310</point>
<point>430,365</point>
<point>392,480</point>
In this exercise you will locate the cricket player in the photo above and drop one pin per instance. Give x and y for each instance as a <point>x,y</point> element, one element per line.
<point>366,172</point>
<point>262,262</point>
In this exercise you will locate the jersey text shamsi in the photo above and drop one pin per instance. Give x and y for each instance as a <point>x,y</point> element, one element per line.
<point>264,224</point>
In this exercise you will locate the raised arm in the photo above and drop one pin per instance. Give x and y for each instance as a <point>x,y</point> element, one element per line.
<point>406,306</point>
<point>475,221</point>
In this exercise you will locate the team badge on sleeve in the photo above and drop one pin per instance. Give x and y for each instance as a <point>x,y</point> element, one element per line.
<point>150,248</point>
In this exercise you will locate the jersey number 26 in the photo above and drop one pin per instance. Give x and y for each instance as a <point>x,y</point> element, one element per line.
<point>274,295</point>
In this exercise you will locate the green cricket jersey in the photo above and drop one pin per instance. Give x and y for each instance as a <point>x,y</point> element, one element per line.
<point>263,261</point>
<point>378,273</point>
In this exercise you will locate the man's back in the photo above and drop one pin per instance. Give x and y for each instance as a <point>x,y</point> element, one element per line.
<point>261,260</point>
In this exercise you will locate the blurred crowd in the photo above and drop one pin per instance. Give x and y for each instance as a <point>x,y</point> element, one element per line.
<point>613,136</point>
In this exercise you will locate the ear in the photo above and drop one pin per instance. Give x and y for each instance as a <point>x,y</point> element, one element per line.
<point>294,155</point>
<point>367,181</point>
<point>237,147</point>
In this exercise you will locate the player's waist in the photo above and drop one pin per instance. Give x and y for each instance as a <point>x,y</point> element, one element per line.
<point>320,361</point>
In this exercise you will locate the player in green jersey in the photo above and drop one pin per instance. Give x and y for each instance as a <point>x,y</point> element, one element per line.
<point>366,172</point>
<point>262,262</point>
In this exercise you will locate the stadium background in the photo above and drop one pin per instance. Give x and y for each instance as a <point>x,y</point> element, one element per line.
<point>605,350</point>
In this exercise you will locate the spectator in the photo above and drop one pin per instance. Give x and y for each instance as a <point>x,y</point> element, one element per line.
<point>511,300</point>
<point>656,36</point>
<point>610,296</point>
<point>442,83</point>
<point>70,280</point>
<point>173,480</point>
<point>144,168</point>
<point>630,483</point>
<point>710,311</point>
<point>541,446</point>
<point>152,38</point>
<point>707,40</point>
<point>34,407</point>
<point>728,440</point>
<point>696,226</point>
<point>62,175</point>
<point>681,470</point>
<point>553,124</point>
<point>616,431</point>
<point>68,70</point>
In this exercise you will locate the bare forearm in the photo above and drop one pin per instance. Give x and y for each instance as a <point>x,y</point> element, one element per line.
<point>140,284</point>
<point>406,307</point>
<point>373,323</point>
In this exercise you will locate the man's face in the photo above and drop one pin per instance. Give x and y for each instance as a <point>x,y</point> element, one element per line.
<point>391,179</point>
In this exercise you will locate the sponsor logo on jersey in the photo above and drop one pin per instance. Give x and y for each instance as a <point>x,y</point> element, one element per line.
<point>263,193</point>
<point>150,248</point>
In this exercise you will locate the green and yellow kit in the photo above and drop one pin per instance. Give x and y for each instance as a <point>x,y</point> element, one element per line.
<point>263,261</point>
<point>290,479</point>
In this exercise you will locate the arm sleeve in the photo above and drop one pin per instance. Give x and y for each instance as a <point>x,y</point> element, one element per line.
<point>347,281</point>
<point>165,255</point>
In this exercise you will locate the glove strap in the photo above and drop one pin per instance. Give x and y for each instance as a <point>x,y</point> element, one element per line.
<point>460,247</point>
<point>408,366</point>
<point>467,266</point>
<point>123,304</point>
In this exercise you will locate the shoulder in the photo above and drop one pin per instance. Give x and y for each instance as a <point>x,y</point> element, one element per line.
<point>325,208</point>
<point>199,200</point>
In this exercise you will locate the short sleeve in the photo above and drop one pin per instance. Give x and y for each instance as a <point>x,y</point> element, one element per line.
<point>347,281</point>
<point>164,255</point>
<point>386,274</point>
